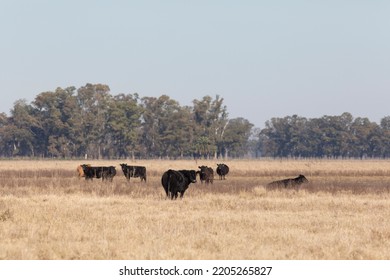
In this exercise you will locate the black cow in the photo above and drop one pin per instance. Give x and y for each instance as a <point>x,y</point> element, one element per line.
<point>134,171</point>
<point>177,181</point>
<point>206,174</point>
<point>222,170</point>
<point>104,172</point>
<point>91,172</point>
<point>291,182</point>
<point>108,173</point>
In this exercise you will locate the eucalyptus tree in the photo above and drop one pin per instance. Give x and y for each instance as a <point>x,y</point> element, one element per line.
<point>332,136</point>
<point>57,115</point>
<point>124,125</point>
<point>235,139</point>
<point>385,129</point>
<point>19,136</point>
<point>6,138</point>
<point>367,138</point>
<point>166,127</point>
<point>93,101</point>
<point>210,120</point>
<point>283,137</point>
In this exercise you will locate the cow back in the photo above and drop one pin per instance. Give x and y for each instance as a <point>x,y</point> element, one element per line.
<point>175,182</point>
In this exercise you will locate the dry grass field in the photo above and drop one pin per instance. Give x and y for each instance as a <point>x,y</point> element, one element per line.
<point>47,212</point>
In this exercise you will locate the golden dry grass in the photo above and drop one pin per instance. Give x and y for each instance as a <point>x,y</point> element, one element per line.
<point>46,212</point>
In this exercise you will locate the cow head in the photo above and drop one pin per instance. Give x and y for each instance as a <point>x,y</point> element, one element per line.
<point>221,166</point>
<point>302,179</point>
<point>203,169</point>
<point>85,166</point>
<point>192,176</point>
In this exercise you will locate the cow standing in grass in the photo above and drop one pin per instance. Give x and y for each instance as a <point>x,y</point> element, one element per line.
<point>134,171</point>
<point>206,174</point>
<point>177,181</point>
<point>222,170</point>
<point>91,172</point>
<point>104,172</point>
<point>290,182</point>
<point>108,173</point>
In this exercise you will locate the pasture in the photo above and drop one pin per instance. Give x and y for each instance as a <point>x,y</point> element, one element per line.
<point>47,212</point>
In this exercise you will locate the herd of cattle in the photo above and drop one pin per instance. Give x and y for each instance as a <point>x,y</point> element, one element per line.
<point>175,182</point>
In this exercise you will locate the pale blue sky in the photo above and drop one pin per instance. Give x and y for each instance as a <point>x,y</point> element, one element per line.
<point>265,58</point>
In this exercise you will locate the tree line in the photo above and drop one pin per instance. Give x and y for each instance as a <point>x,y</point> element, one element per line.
<point>329,136</point>
<point>90,122</point>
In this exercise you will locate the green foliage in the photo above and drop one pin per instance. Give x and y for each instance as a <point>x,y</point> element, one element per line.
<point>123,124</point>
<point>90,122</point>
<point>210,120</point>
<point>234,138</point>
<point>329,136</point>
